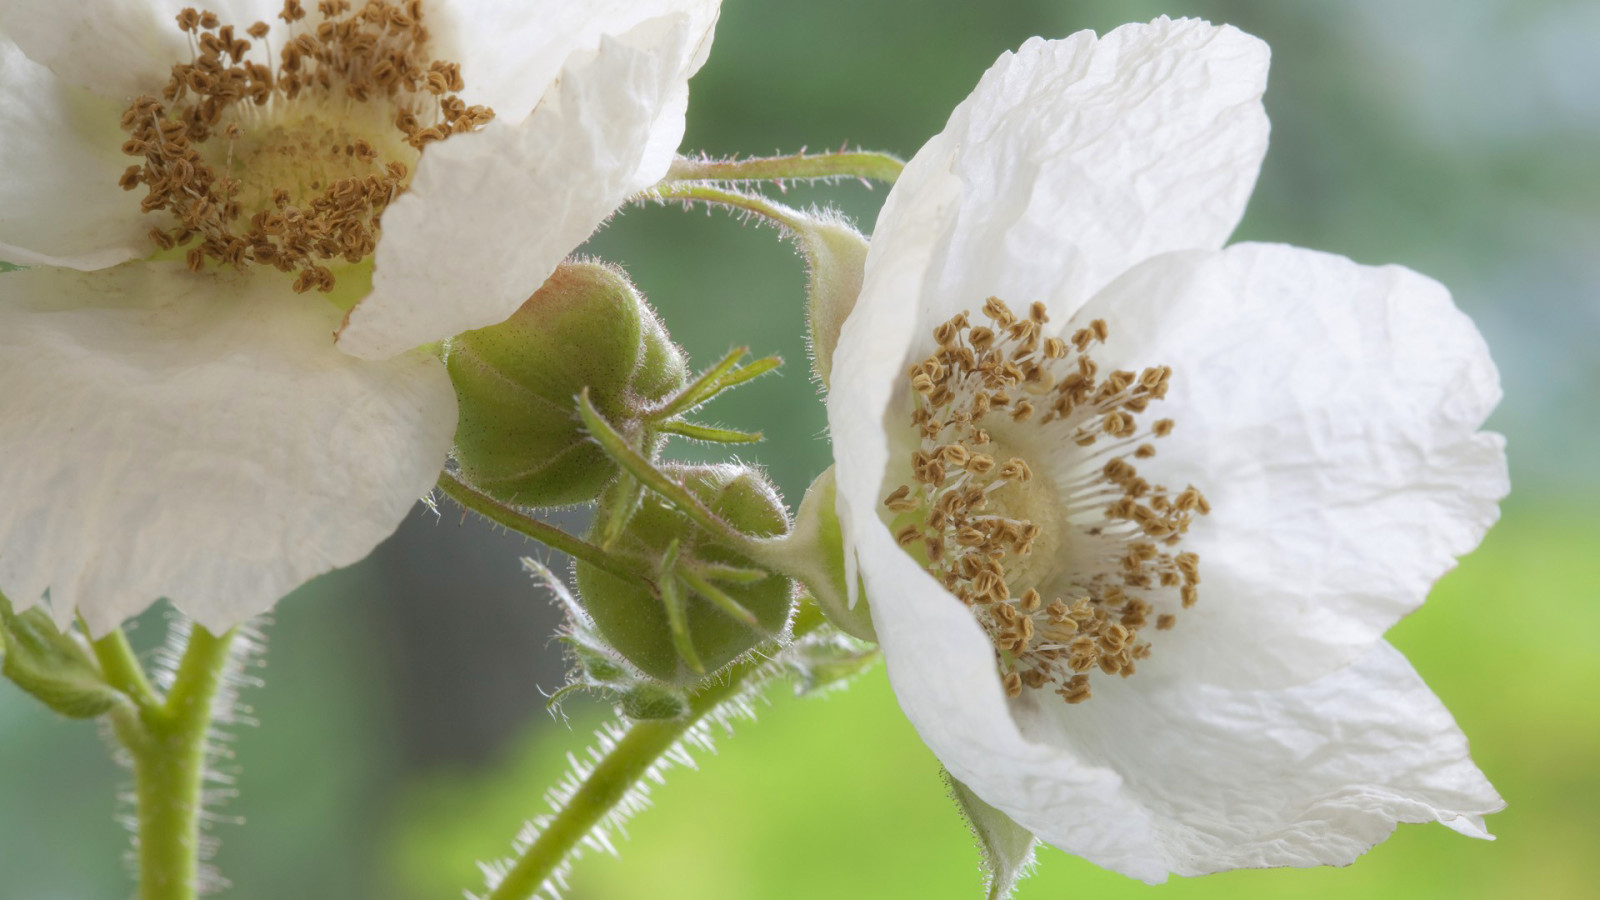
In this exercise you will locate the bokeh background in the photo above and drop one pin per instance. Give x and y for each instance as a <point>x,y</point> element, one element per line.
<point>403,731</point>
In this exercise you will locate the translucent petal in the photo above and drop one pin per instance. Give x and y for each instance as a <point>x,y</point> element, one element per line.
<point>197,438</point>
<point>511,51</point>
<point>59,199</point>
<point>1306,776</point>
<point>1330,412</point>
<point>119,49</point>
<point>490,215</point>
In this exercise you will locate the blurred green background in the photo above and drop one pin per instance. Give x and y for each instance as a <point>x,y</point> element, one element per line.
<point>403,734</point>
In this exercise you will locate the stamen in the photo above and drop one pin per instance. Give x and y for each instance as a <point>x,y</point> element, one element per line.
<point>280,166</point>
<point>1114,522</point>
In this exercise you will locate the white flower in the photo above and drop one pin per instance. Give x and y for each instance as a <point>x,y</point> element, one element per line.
<point>197,435</point>
<point>1314,423</point>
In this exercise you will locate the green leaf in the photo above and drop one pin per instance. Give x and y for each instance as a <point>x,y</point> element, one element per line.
<point>1007,847</point>
<point>52,666</point>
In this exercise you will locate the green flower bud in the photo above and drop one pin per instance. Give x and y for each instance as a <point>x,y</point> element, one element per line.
<point>519,438</point>
<point>636,621</point>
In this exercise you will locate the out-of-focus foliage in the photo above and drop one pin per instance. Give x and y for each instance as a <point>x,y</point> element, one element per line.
<point>1457,138</point>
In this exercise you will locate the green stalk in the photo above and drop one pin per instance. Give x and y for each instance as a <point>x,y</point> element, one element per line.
<point>168,745</point>
<point>788,217</point>
<point>799,166</point>
<point>644,743</point>
<point>543,532</point>
<point>122,670</point>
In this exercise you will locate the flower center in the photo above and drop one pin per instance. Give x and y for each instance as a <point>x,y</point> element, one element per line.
<point>292,165</point>
<point>1025,502</point>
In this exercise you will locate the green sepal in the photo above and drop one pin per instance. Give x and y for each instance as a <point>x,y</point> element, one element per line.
<point>1006,847</point>
<point>826,663</point>
<point>647,700</point>
<point>54,667</point>
<point>817,524</point>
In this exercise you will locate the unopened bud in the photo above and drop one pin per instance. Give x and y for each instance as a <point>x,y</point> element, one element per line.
<point>519,438</point>
<point>634,619</point>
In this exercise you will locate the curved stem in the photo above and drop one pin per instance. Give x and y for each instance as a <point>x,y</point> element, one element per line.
<point>788,217</point>
<point>168,745</point>
<point>798,166</point>
<point>543,532</point>
<point>122,670</point>
<point>613,776</point>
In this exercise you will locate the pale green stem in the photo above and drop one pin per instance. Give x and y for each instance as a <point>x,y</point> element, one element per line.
<point>613,776</point>
<point>788,217</point>
<point>799,166</point>
<point>168,745</point>
<point>543,532</point>
<point>122,670</point>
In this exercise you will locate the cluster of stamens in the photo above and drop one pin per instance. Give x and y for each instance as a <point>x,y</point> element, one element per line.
<point>269,164</point>
<point>981,519</point>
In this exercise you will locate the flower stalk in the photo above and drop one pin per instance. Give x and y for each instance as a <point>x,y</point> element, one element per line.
<point>472,499</point>
<point>863,164</point>
<point>644,742</point>
<point>167,741</point>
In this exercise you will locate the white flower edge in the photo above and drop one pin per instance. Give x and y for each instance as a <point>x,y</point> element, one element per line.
<point>490,216</point>
<point>1053,780</point>
<point>59,200</point>
<point>196,438</point>
<point>582,125</point>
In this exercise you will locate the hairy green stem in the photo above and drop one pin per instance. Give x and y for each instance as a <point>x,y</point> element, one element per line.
<point>168,745</point>
<point>613,776</point>
<point>799,166</point>
<point>543,532</point>
<point>788,217</point>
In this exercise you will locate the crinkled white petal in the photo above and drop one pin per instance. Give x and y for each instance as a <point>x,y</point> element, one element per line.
<point>942,668</point>
<point>1154,775</point>
<point>1305,776</point>
<point>511,51</point>
<point>1072,161</point>
<point>1330,412</point>
<point>59,199</point>
<point>489,215</point>
<point>118,49</point>
<point>1080,157</point>
<point>197,438</point>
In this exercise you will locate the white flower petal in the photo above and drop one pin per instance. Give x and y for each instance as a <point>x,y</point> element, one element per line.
<point>1330,413</point>
<point>511,51</point>
<point>1311,775</point>
<point>1070,162</point>
<point>942,668</point>
<point>197,438</point>
<point>1083,156</point>
<point>489,215</point>
<point>60,203</point>
<point>118,49</point>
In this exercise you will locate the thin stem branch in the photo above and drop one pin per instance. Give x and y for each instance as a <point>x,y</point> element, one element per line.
<point>644,743</point>
<point>122,670</point>
<point>169,760</point>
<point>788,217</point>
<point>543,532</point>
<point>794,167</point>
